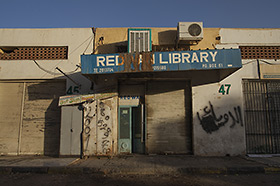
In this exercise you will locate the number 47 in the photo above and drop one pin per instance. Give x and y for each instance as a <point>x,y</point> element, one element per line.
<point>224,89</point>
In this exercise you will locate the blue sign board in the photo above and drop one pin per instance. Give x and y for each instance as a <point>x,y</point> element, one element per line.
<point>161,61</point>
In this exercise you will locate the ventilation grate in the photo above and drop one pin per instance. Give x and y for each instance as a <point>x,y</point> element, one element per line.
<point>260,52</point>
<point>139,40</point>
<point>33,53</point>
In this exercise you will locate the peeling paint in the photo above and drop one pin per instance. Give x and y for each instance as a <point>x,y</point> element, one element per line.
<point>131,61</point>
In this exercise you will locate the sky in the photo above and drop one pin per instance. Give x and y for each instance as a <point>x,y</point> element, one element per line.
<point>140,13</point>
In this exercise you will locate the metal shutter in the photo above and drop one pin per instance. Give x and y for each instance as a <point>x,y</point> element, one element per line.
<point>30,117</point>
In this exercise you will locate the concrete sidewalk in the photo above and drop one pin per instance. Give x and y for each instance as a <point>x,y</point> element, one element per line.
<point>140,164</point>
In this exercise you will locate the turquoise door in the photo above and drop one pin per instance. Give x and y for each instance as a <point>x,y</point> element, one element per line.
<point>125,129</point>
<point>131,129</point>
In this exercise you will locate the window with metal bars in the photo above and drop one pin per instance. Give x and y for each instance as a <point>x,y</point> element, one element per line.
<point>34,53</point>
<point>260,52</point>
<point>139,40</point>
<point>262,116</point>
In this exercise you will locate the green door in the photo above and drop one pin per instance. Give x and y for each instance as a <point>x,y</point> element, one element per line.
<point>125,130</point>
<point>131,129</point>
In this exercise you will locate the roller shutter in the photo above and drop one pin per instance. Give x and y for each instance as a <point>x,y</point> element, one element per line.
<point>168,106</point>
<point>30,116</point>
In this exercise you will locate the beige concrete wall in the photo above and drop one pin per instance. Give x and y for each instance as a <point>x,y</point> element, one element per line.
<point>235,37</point>
<point>270,71</point>
<point>30,117</point>
<point>78,40</point>
<point>218,119</point>
<point>160,36</point>
<point>250,36</point>
<point>209,40</point>
<point>215,128</point>
<point>111,38</point>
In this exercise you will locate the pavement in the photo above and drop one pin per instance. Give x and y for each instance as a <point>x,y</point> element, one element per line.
<point>141,165</point>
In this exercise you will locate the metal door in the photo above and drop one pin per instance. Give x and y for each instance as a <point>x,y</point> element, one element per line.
<point>168,117</point>
<point>262,116</point>
<point>70,132</point>
<point>125,129</point>
<point>131,129</point>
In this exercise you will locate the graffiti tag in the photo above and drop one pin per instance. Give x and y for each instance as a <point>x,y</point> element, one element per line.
<point>104,130</point>
<point>210,122</point>
<point>89,121</point>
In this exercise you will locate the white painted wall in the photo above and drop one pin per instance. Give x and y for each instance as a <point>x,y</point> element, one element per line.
<point>230,137</point>
<point>78,40</point>
<point>227,139</point>
<point>250,36</point>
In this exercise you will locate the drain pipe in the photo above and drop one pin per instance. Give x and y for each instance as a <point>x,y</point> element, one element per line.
<point>258,66</point>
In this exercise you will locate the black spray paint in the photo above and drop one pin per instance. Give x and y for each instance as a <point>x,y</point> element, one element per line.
<point>210,122</point>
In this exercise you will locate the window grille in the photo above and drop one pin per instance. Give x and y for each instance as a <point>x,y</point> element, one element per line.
<point>34,53</point>
<point>260,52</point>
<point>139,40</point>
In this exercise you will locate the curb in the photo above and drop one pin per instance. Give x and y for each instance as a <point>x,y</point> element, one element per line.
<point>118,171</point>
<point>50,170</point>
<point>272,170</point>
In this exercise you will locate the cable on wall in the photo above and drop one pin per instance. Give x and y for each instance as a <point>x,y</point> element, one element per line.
<point>53,73</point>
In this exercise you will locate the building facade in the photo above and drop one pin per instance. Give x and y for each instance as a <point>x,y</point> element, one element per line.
<point>32,63</point>
<point>140,91</point>
<point>202,109</point>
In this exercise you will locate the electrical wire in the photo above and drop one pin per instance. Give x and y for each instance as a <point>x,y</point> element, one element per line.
<point>268,62</point>
<point>88,44</point>
<point>250,62</point>
<point>53,73</point>
<point>255,60</point>
<point>91,38</point>
<point>47,71</point>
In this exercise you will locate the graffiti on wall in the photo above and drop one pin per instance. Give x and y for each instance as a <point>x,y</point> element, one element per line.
<point>104,129</point>
<point>97,130</point>
<point>89,125</point>
<point>210,122</point>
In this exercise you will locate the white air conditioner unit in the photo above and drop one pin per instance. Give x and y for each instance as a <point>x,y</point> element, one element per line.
<point>189,31</point>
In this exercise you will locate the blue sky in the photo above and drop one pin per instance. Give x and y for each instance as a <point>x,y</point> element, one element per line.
<point>141,13</point>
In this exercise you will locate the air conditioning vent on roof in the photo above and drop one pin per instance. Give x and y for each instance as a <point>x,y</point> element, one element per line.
<point>190,31</point>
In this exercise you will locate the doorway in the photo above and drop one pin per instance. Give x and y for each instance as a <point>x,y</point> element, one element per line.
<point>131,129</point>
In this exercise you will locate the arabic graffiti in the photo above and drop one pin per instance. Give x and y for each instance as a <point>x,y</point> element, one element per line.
<point>210,122</point>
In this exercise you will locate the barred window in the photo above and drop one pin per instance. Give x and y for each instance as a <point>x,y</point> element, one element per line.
<point>260,52</point>
<point>34,53</point>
